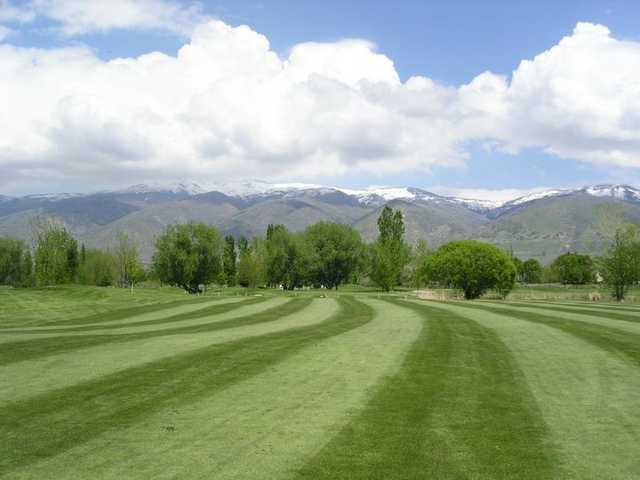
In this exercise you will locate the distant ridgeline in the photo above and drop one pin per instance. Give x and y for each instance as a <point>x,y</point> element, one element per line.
<point>540,226</point>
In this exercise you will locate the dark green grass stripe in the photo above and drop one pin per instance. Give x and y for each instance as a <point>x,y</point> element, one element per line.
<point>49,424</point>
<point>581,311</point>
<point>459,408</point>
<point>36,348</point>
<point>118,314</point>
<point>203,312</point>
<point>611,339</point>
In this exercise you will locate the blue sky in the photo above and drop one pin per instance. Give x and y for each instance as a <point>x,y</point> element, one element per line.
<point>450,42</point>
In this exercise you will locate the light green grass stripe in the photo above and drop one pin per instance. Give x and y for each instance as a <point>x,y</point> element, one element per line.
<point>587,395</point>
<point>32,377</point>
<point>621,325</point>
<point>145,328</point>
<point>137,318</point>
<point>262,427</point>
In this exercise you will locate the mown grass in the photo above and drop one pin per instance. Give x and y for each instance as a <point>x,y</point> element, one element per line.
<point>39,347</point>
<point>458,408</point>
<point>358,385</point>
<point>608,338</point>
<point>48,424</point>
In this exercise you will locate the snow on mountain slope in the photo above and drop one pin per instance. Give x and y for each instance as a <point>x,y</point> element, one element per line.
<point>620,192</point>
<point>536,196</point>
<point>374,196</point>
<point>189,188</point>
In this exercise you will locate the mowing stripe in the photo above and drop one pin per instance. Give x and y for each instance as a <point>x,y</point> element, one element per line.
<point>186,319</point>
<point>56,421</point>
<point>262,427</point>
<point>132,325</point>
<point>602,313</point>
<point>588,395</point>
<point>156,316</point>
<point>39,375</point>
<point>116,314</point>
<point>621,325</point>
<point>458,408</point>
<point>618,307</point>
<point>227,315</point>
<point>611,339</point>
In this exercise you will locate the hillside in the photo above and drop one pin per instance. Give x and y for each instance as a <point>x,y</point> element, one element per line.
<point>541,226</point>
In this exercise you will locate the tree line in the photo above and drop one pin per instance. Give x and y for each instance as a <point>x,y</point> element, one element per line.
<point>326,255</point>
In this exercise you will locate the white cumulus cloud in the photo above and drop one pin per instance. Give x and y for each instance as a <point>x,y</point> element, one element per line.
<point>228,107</point>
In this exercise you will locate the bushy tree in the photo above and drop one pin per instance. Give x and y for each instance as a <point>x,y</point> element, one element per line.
<point>531,271</point>
<point>229,260</point>
<point>471,266</point>
<point>621,265</point>
<point>129,270</point>
<point>14,261</point>
<point>99,268</point>
<point>573,269</point>
<point>27,269</point>
<point>56,259</point>
<point>251,262</point>
<point>389,253</point>
<point>287,259</point>
<point>418,254</point>
<point>519,264</point>
<point>188,255</point>
<point>336,251</point>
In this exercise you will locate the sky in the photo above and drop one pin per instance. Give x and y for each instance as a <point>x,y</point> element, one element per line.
<point>479,99</point>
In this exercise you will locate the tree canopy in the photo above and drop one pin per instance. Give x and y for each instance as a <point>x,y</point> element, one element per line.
<point>188,256</point>
<point>389,254</point>
<point>336,251</point>
<point>471,266</point>
<point>621,264</point>
<point>573,269</point>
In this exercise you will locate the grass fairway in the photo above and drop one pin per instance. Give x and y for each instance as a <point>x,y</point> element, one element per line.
<point>356,385</point>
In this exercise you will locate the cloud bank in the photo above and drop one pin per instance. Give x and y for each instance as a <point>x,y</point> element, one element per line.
<point>228,107</point>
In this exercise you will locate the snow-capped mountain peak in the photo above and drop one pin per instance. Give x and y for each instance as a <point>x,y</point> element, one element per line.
<point>620,192</point>
<point>188,188</point>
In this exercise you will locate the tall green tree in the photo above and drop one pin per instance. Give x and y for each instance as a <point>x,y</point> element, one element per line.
<point>471,266</point>
<point>531,271</point>
<point>335,250</point>
<point>573,269</point>
<point>99,268</point>
<point>419,253</point>
<point>229,260</point>
<point>287,258</point>
<point>621,264</point>
<point>188,256</point>
<point>12,262</point>
<point>389,253</point>
<point>56,258</point>
<point>251,262</point>
<point>129,270</point>
<point>27,269</point>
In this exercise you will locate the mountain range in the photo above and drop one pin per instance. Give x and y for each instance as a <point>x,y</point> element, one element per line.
<point>541,225</point>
